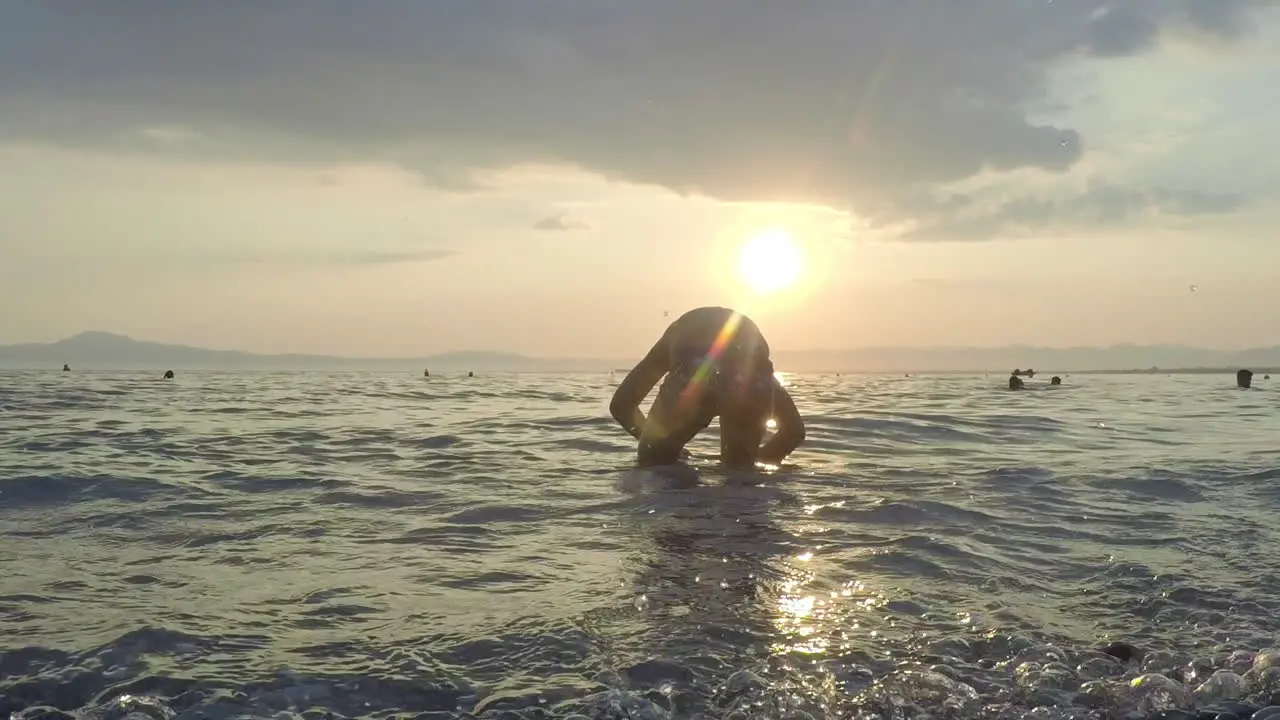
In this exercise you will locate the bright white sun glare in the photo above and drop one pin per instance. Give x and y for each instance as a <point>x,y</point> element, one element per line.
<point>770,262</point>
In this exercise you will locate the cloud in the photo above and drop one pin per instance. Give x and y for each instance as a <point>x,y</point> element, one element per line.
<point>170,135</point>
<point>857,104</point>
<point>288,257</point>
<point>560,222</point>
<point>376,257</point>
<point>1101,205</point>
<point>321,257</point>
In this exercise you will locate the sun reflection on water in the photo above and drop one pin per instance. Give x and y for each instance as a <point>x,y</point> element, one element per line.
<point>817,623</point>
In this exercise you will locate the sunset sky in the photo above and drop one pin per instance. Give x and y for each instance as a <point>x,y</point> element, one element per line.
<point>403,177</point>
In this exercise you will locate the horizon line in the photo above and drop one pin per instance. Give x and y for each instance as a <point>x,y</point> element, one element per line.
<point>811,351</point>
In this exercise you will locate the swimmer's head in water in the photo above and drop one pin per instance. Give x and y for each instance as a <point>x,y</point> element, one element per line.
<point>1055,380</point>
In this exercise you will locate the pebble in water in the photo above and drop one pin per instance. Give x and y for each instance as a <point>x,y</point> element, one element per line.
<point>1240,661</point>
<point>1153,692</point>
<point>1222,685</point>
<point>1122,651</point>
<point>1096,668</point>
<point>989,677</point>
<point>1160,661</point>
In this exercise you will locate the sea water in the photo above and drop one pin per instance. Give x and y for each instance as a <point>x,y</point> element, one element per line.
<point>385,545</point>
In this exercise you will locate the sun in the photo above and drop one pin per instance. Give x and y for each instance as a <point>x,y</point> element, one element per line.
<point>770,262</point>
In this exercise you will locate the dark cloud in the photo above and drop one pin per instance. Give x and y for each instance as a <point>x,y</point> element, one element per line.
<point>1120,30</point>
<point>859,104</point>
<point>1217,17</point>
<point>1100,205</point>
<point>559,222</point>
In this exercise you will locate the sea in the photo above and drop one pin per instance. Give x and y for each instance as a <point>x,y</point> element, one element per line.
<point>382,545</point>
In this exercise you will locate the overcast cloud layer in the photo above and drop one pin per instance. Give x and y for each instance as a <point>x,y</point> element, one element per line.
<point>865,105</point>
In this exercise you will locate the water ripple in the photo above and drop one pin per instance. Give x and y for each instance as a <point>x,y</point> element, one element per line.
<point>359,545</point>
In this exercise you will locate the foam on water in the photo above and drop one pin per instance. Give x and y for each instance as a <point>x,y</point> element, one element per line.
<point>370,545</point>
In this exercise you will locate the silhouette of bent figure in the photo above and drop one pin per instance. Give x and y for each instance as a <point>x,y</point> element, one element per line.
<point>66,368</point>
<point>168,374</point>
<point>716,364</point>
<point>1244,379</point>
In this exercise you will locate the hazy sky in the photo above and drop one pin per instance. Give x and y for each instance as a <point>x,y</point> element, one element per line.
<point>549,176</point>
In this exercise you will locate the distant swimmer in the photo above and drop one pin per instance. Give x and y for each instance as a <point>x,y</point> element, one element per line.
<point>426,373</point>
<point>716,364</point>
<point>470,374</point>
<point>168,374</point>
<point>1015,382</point>
<point>1244,379</point>
<point>1055,380</point>
<point>66,368</point>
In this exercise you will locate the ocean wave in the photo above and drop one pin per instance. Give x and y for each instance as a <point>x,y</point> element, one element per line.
<point>360,545</point>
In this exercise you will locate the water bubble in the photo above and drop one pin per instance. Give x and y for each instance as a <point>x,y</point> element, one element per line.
<point>921,689</point>
<point>138,707</point>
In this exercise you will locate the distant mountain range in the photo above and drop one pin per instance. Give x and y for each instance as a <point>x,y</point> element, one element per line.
<point>109,351</point>
<point>103,350</point>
